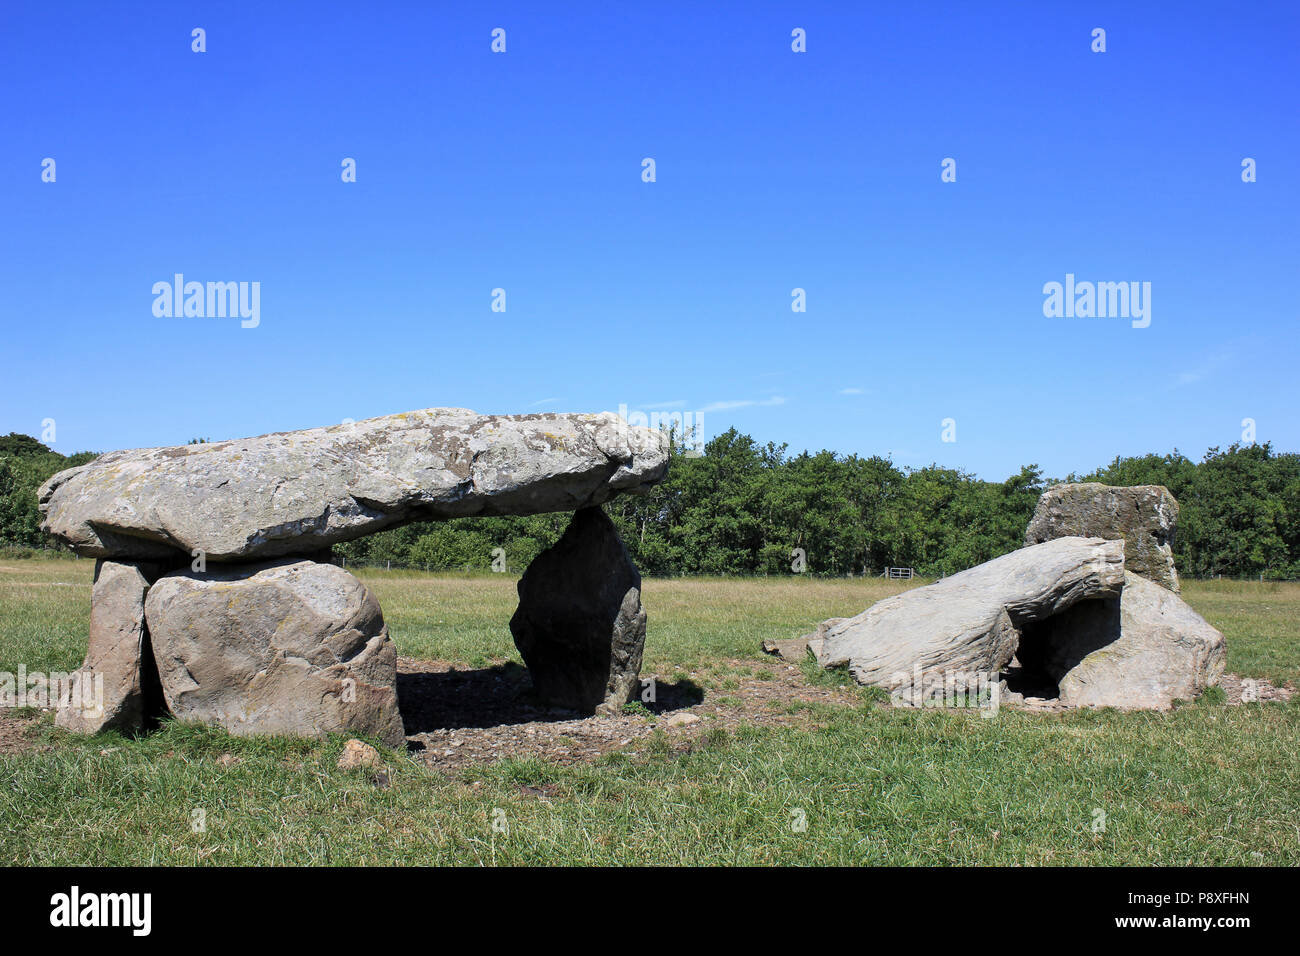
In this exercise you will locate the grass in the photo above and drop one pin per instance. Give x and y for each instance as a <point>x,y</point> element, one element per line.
<point>1206,784</point>
<point>464,618</point>
<point>1261,621</point>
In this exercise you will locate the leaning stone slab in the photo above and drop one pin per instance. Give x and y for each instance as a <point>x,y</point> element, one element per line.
<point>298,492</point>
<point>1145,516</point>
<point>109,690</point>
<point>1145,649</point>
<point>580,626</point>
<point>287,647</point>
<point>971,622</point>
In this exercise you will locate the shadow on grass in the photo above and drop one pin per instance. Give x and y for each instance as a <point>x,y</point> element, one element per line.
<point>501,695</point>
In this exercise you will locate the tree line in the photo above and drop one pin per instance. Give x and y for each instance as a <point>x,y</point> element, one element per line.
<point>744,508</point>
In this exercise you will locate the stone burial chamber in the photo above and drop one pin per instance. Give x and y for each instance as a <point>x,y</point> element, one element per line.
<point>1065,620</point>
<point>213,599</point>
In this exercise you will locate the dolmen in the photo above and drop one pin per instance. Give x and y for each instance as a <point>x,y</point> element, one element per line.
<point>1086,615</point>
<point>214,598</point>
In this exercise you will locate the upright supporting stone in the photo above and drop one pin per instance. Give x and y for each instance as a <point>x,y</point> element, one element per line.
<point>580,626</point>
<point>109,691</point>
<point>1144,516</point>
<point>288,647</point>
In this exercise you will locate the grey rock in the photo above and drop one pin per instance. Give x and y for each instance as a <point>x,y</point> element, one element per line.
<point>1145,649</point>
<point>1145,516</point>
<point>292,493</point>
<point>795,649</point>
<point>580,626</point>
<point>971,622</point>
<point>109,690</point>
<point>814,642</point>
<point>287,647</point>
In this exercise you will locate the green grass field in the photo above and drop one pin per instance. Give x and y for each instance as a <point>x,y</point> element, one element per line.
<point>853,783</point>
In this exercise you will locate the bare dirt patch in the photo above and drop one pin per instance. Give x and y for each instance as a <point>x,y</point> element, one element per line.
<point>456,718</point>
<point>1263,689</point>
<point>17,732</point>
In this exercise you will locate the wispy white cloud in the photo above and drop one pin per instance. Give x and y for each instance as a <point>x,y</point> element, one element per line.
<point>852,391</point>
<point>742,403</point>
<point>543,401</point>
<point>1199,373</point>
<point>675,403</point>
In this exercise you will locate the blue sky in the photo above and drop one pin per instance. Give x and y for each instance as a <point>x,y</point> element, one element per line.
<point>775,170</point>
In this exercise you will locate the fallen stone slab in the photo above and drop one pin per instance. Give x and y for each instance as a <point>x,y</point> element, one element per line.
<point>293,493</point>
<point>286,647</point>
<point>580,626</point>
<point>1144,650</point>
<point>971,622</point>
<point>1144,516</point>
<point>110,689</point>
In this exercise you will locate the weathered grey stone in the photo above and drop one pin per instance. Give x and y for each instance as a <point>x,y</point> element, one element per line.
<point>580,626</point>
<point>1145,649</point>
<point>795,649</point>
<point>814,642</point>
<point>109,690</point>
<point>971,622</point>
<point>287,647</point>
<point>1145,516</point>
<point>297,492</point>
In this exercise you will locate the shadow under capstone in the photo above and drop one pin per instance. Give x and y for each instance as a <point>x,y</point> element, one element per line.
<point>501,695</point>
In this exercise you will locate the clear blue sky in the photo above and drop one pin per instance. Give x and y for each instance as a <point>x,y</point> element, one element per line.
<point>775,170</point>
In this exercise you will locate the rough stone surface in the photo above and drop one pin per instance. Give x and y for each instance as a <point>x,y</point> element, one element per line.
<point>1145,516</point>
<point>795,649</point>
<point>287,647</point>
<point>117,653</point>
<point>357,754</point>
<point>814,642</point>
<point>580,626</point>
<point>971,622</point>
<point>1145,649</point>
<point>298,492</point>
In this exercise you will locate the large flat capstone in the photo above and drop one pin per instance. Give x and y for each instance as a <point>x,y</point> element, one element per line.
<point>299,492</point>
